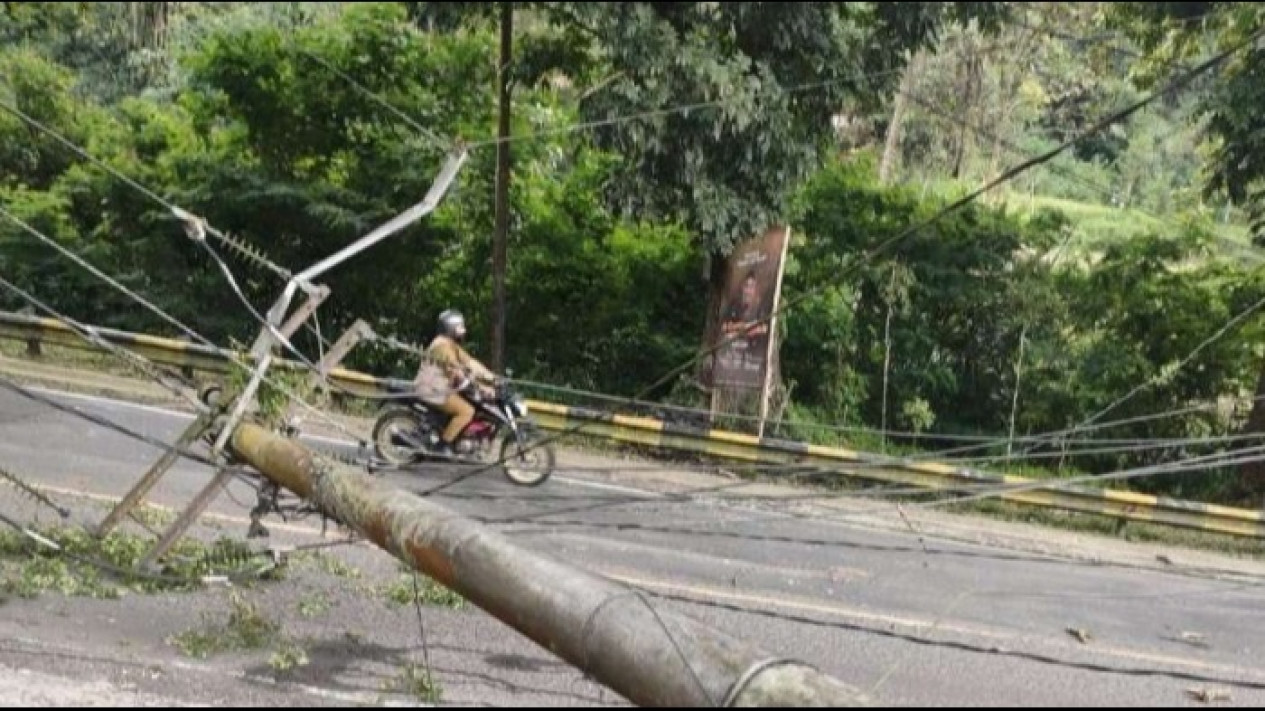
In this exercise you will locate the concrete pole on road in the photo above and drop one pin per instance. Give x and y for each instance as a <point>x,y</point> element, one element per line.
<point>651,657</point>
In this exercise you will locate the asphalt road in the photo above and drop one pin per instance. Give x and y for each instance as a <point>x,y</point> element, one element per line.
<point>915,620</point>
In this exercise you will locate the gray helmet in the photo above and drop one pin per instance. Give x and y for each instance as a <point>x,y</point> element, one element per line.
<point>452,324</point>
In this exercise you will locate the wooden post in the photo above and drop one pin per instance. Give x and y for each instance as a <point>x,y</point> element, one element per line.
<point>773,321</point>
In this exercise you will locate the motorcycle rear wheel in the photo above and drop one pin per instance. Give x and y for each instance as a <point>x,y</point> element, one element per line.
<point>387,426</point>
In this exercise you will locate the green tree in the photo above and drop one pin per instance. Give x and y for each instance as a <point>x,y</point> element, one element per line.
<point>1176,32</point>
<point>768,78</point>
<point>971,292</point>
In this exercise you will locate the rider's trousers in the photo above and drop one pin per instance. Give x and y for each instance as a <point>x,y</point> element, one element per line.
<point>460,412</point>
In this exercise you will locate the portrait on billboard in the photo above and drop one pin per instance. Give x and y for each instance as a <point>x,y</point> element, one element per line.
<point>752,290</point>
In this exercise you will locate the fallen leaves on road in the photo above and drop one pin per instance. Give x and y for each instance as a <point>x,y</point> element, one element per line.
<point>1083,635</point>
<point>1194,639</point>
<point>1208,695</point>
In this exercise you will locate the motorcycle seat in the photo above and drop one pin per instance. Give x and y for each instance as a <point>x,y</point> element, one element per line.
<point>397,387</point>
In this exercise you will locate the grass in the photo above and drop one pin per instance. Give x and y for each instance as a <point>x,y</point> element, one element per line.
<point>93,359</point>
<point>401,592</point>
<point>154,517</point>
<point>40,575</point>
<point>105,568</point>
<point>90,358</point>
<point>417,682</point>
<point>326,563</point>
<point>1102,222</point>
<point>289,655</point>
<point>1098,223</point>
<point>246,629</point>
<point>1101,225</point>
<point>313,604</point>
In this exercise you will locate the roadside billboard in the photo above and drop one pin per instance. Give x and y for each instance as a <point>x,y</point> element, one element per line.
<point>753,287</point>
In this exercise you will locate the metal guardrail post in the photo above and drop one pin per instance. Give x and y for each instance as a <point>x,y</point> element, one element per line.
<point>186,370</point>
<point>652,657</point>
<point>33,349</point>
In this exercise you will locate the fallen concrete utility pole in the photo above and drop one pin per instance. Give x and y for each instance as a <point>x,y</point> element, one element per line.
<point>651,657</point>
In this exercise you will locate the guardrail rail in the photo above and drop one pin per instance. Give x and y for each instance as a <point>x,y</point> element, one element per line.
<point>718,443</point>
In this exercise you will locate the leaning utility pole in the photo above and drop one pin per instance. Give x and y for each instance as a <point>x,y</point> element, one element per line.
<point>277,330</point>
<point>611,632</point>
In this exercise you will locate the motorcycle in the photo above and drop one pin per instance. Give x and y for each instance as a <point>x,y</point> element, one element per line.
<point>407,432</point>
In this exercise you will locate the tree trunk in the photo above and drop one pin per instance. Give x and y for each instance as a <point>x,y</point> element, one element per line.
<point>891,149</point>
<point>972,71</point>
<point>1009,82</point>
<point>1014,402</point>
<point>959,154</point>
<point>149,24</point>
<point>887,359</point>
<point>716,273</point>
<point>500,237</point>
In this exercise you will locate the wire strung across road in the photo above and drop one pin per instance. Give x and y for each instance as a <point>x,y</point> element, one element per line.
<point>283,272</point>
<point>1095,447</point>
<point>150,306</point>
<point>143,365</point>
<point>853,468</point>
<point>252,254</point>
<point>984,492</point>
<point>247,251</point>
<point>1134,444</point>
<point>921,640</point>
<point>169,578</point>
<point>957,205</point>
<point>953,207</point>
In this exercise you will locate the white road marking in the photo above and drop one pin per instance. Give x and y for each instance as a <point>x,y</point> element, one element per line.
<point>112,402</point>
<point>608,487</point>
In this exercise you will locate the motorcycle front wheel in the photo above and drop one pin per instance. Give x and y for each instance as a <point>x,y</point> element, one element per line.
<point>388,425</point>
<point>530,462</point>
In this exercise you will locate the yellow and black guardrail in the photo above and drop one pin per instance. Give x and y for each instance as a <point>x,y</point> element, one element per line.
<point>719,443</point>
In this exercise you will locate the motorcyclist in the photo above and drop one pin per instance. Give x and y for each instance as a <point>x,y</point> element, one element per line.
<point>446,365</point>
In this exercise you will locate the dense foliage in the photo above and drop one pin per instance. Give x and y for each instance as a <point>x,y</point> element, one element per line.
<point>241,114</point>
